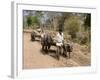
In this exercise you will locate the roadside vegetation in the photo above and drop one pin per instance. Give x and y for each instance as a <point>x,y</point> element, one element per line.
<point>75,26</point>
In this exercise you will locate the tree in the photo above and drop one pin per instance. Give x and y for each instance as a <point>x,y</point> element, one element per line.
<point>35,21</point>
<point>87,21</point>
<point>29,21</point>
<point>72,25</point>
<point>65,15</point>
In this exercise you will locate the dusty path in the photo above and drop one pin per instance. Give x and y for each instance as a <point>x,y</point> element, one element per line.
<point>34,58</point>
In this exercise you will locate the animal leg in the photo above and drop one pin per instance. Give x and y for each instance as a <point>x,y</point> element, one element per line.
<point>57,53</point>
<point>69,54</point>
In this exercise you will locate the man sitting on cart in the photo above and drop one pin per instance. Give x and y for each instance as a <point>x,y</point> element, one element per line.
<point>59,42</point>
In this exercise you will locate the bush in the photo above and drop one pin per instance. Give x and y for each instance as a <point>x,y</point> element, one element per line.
<point>72,25</point>
<point>32,21</point>
<point>85,38</point>
<point>29,21</point>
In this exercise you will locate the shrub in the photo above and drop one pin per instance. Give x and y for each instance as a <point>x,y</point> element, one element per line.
<point>72,25</point>
<point>32,21</point>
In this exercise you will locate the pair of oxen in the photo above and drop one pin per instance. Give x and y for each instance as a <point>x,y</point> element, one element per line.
<point>47,42</point>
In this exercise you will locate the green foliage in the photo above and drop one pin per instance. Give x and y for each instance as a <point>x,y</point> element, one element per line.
<point>84,40</point>
<point>29,21</point>
<point>87,21</point>
<point>35,20</point>
<point>32,21</point>
<point>76,26</point>
<point>72,25</point>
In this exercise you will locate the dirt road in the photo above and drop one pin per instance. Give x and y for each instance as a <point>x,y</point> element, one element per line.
<point>33,57</point>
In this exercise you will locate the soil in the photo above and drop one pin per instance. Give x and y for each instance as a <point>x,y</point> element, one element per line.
<point>33,57</point>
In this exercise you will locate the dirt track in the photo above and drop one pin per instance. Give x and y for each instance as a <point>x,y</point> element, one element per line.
<point>34,58</point>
